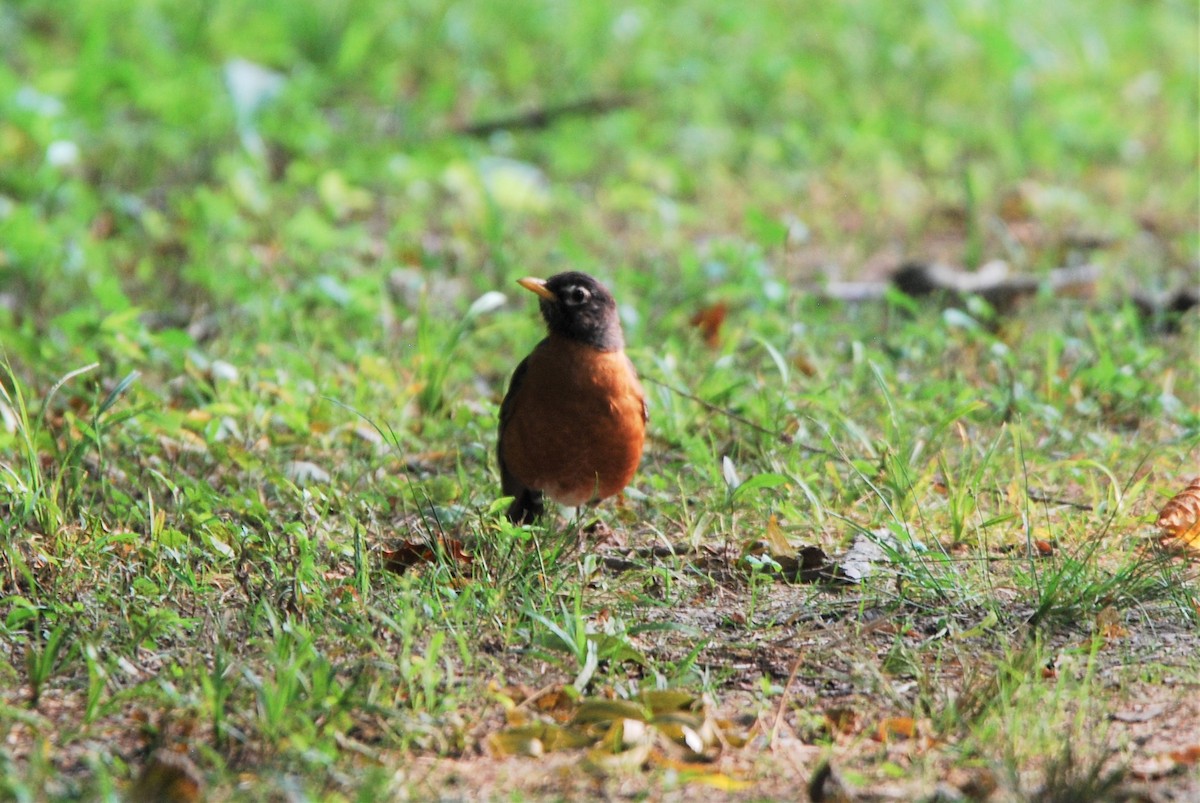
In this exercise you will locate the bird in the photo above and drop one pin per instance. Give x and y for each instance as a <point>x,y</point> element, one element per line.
<point>573,422</point>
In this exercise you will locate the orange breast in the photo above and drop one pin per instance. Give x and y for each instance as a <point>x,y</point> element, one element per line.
<point>577,425</point>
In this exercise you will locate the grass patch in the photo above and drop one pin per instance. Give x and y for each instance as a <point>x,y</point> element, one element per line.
<point>256,316</point>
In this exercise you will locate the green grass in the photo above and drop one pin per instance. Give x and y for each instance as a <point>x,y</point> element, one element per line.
<point>246,351</point>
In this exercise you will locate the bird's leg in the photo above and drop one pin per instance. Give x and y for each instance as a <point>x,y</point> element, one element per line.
<point>580,531</point>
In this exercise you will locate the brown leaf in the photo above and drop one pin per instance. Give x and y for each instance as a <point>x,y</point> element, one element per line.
<point>709,320</point>
<point>1108,624</point>
<point>1188,756</point>
<point>1162,765</point>
<point>168,776</point>
<point>411,553</point>
<point>455,549</point>
<point>1179,519</point>
<point>776,539</point>
<point>804,365</point>
<point>842,720</point>
<point>895,728</point>
<point>408,554</point>
<point>976,783</point>
<point>601,534</point>
<point>557,704</point>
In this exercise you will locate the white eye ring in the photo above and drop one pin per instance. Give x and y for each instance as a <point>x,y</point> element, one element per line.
<point>578,295</point>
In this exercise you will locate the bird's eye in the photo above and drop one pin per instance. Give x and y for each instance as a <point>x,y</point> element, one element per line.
<point>577,295</point>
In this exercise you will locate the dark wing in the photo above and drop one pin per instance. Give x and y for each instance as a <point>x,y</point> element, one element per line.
<point>527,503</point>
<point>514,384</point>
<point>641,392</point>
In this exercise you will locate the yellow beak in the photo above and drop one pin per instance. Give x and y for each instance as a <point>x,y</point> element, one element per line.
<point>537,286</point>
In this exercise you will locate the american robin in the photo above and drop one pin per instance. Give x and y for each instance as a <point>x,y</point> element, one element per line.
<point>573,421</point>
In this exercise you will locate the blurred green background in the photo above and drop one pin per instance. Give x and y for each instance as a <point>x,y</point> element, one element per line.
<point>831,138</point>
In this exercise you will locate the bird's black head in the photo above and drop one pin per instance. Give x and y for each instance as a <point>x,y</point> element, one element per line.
<point>578,307</point>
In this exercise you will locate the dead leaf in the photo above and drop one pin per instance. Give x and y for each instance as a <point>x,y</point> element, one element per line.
<point>976,783</point>
<point>842,720</point>
<point>895,728</point>
<point>1179,519</point>
<point>732,733</point>
<point>1108,624</point>
<point>684,735</point>
<point>411,553</point>
<point>557,704</point>
<point>807,565</point>
<point>408,554</point>
<point>663,701</point>
<point>814,564</point>
<point>305,473</point>
<point>1188,756</point>
<point>859,561</point>
<point>776,539</point>
<point>537,738</point>
<point>516,742</point>
<point>600,534</point>
<point>603,762</point>
<point>1157,766</point>
<point>423,461</point>
<point>624,734</point>
<point>694,732</point>
<point>619,733</point>
<point>591,711</point>
<point>510,696</point>
<point>719,781</point>
<point>168,776</point>
<point>804,365</point>
<point>709,321</point>
<point>1144,714</point>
